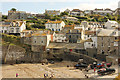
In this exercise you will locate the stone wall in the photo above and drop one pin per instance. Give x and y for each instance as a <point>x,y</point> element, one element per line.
<point>72,56</point>
<point>92,52</point>
<point>11,53</point>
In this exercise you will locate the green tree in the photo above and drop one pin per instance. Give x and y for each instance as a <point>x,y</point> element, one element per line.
<point>13,9</point>
<point>63,13</point>
<point>4,17</point>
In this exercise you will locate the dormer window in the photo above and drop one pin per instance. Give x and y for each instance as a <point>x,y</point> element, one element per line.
<point>17,24</point>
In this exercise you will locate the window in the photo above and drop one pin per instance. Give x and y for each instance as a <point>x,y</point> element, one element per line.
<point>17,30</point>
<point>102,44</point>
<point>92,45</point>
<point>102,38</point>
<point>35,41</point>
<point>52,29</point>
<point>41,41</point>
<point>77,31</point>
<point>17,24</point>
<point>115,38</point>
<point>103,52</point>
<point>69,36</point>
<point>12,30</point>
<point>88,35</point>
<point>77,36</point>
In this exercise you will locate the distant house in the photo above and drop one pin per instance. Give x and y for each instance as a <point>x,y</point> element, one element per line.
<point>111,24</point>
<point>16,27</point>
<point>25,32</point>
<point>90,39</point>
<point>13,15</point>
<point>4,27</point>
<point>89,12</point>
<point>91,25</point>
<point>103,12</point>
<point>68,11</point>
<point>52,12</point>
<point>70,18</point>
<point>67,28</point>
<point>75,35</point>
<point>76,12</point>
<point>107,42</point>
<point>39,41</point>
<point>59,37</point>
<point>54,25</point>
<point>40,16</point>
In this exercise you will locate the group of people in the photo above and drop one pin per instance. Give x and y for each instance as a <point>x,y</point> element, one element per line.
<point>48,76</point>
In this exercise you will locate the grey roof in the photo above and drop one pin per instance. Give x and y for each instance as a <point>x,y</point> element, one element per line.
<point>108,32</point>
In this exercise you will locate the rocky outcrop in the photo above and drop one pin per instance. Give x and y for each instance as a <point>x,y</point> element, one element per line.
<point>12,53</point>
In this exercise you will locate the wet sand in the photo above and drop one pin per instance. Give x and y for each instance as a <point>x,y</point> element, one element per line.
<point>59,70</point>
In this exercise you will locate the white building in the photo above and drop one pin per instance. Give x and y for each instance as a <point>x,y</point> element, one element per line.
<point>55,25</point>
<point>16,27</point>
<point>90,39</point>
<point>111,24</point>
<point>103,11</point>
<point>4,27</point>
<point>76,12</point>
<point>59,37</point>
<point>89,12</point>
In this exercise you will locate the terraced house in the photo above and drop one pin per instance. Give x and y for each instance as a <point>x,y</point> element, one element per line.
<point>75,35</point>
<point>54,25</point>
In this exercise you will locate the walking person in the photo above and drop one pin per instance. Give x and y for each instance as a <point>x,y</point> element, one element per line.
<point>94,71</point>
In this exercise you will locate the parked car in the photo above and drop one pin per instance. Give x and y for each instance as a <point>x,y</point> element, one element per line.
<point>103,64</point>
<point>104,71</point>
<point>81,65</point>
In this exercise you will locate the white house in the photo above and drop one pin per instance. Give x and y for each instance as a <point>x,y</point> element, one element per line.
<point>103,11</point>
<point>4,27</point>
<point>76,12</point>
<point>59,37</point>
<point>111,24</point>
<point>16,27</point>
<point>54,25</point>
<point>90,39</point>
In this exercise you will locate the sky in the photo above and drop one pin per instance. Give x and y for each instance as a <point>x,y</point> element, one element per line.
<point>39,6</point>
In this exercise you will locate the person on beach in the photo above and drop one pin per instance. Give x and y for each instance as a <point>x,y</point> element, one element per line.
<point>16,74</point>
<point>45,75</point>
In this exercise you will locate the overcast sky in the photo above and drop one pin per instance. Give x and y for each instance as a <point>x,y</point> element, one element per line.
<point>39,6</point>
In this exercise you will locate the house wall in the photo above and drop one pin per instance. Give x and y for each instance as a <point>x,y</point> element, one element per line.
<point>106,44</point>
<point>59,38</point>
<point>23,26</point>
<point>4,29</point>
<point>55,27</point>
<point>109,25</point>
